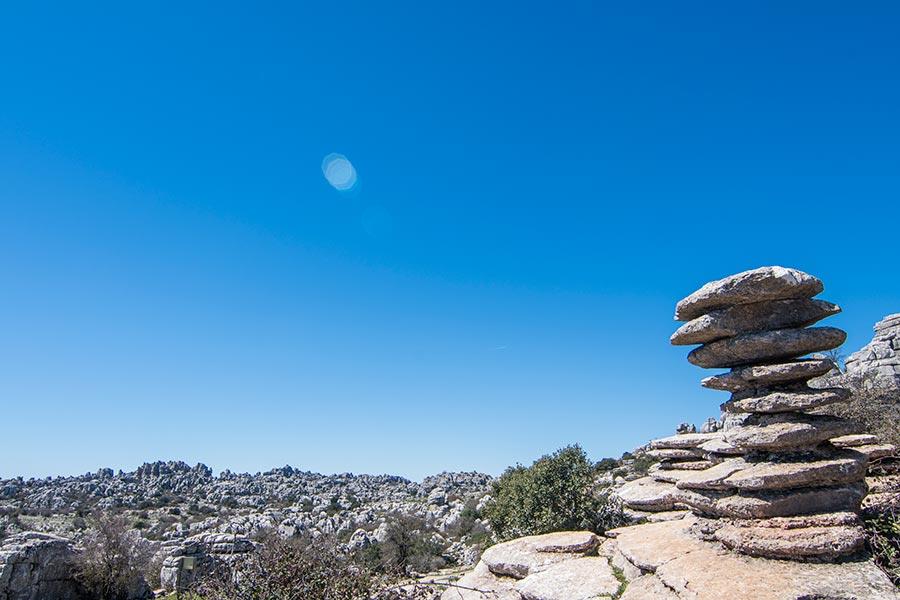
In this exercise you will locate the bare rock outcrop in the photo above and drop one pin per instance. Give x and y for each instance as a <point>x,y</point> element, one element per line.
<point>37,566</point>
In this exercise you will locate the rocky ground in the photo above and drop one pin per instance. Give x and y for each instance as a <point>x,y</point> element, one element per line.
<point>170,501</point>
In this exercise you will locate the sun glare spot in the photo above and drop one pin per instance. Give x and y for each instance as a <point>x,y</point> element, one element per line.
<point>339,172</point>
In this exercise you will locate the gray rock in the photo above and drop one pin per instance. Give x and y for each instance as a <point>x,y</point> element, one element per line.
<point>37,566</point>
<point>766,346</point>
<point>757,285</point>
<point>584,578</point>
<point>788,401</point>
<point>848,467</point>
<point>766,375</point>
<point>750,318</point>
<point>788,431</point>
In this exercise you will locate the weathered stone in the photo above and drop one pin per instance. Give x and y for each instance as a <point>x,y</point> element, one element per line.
<point>766,504</point>
<point>785,431</point>
<point>876,451</point>
<point>767,375</point>
<point>521,557</point>
<point>34,566</point>
<point>648,587</point>
<point>852,441</point>
<point>655,517</point>
<point>683,441</point>
<point>847,468</point>
<point>749,318</point>
<point>675,453</point>
<point>878,362</point>
<point>712,574</point>
<point>578,579</point>
<point>766,346</point>
<point>802,521</point>
<point>691,465</point>
<point>756,285</point>
<point>647,494</point>
<point>811,542</point>
<point>720,446</point>
<point>713,478</point>
<point>651,545</point>
<point>474,585</point>
<point>699,570</point>
<point>788,401</point>
<point>629,571</point>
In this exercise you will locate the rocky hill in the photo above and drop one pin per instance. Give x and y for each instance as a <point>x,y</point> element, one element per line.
<point>173,500</point>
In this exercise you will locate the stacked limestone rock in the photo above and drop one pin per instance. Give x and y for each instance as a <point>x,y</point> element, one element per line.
<point>880,358</point>
<point>780,489</point>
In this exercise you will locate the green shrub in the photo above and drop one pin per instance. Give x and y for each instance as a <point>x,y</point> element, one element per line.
<point>554,494</point>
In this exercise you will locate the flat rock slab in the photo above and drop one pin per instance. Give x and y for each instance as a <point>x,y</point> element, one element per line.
<point>875,451</point>
<point>675,453</point>
<point>648,587</point>
<point>766,346</point>
<point>848,468</point>
<point>684,440</point>
<point>763,505</point>
<point>766,375</point>
<point>585,578</point>
<point>749,318</point>
<point>787,431</point>
<point>524,556</point>
<point>711,574</point>
<point>756,285</point>
<point>827,543</point>
<point>722,447</point>
<point>851,441</point>
<point>648,494</point>
<point>697,570</point>
<point>470,586</point>
<point>713,478</point>
<point>787,401</point>
<point>649,546</point>
<point>689,465</point>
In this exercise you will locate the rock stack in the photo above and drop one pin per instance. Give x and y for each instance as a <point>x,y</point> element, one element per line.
<point>879,360</point>
<point>777,486</point>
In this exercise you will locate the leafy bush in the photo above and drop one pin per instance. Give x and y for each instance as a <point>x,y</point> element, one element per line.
<point>114,561</point>
<point>554,494</point>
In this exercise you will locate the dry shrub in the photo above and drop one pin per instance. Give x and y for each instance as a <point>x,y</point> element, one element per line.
<point>114,560</point>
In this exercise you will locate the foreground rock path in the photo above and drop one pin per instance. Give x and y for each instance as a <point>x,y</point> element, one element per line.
<point>555,566</point>
<point>668,561</point>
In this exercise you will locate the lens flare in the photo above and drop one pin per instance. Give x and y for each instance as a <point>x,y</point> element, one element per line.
<point>339,172</point>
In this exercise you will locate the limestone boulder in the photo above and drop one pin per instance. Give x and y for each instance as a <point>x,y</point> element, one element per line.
<point>522,557</point>
<point>759,376</point>
<point>648,494</point>
<point>749,318</point>
<point>756,285</point>
<point>36,565</point>
<point>766,346</point>
<point>584,578</point>
<point>849,467</point>
<point>788,401</point>
<point>787,431</point>
<point>683,441</point>
<point>826,543</point>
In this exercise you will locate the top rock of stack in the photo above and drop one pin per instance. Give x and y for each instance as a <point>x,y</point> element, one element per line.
<point>756,285</point>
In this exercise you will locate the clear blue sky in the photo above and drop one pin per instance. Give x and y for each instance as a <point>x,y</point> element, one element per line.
<point>538,184</point>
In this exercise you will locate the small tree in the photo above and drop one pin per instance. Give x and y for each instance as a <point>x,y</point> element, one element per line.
<point>114,560</point>
<point>556,493</point>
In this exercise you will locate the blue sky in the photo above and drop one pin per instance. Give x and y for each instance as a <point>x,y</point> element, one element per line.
<point>538,184</point>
